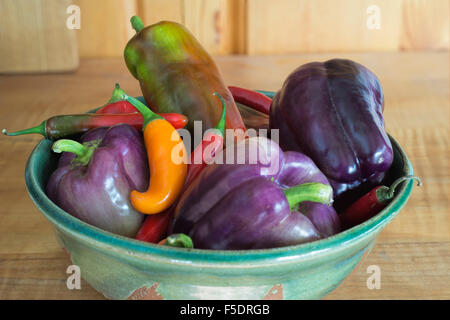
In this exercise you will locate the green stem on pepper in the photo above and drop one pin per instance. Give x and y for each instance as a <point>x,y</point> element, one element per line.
<point>83,151</point>
<point>179,240</point>
<point>117,94</point>
<point>312,191</point>
<point>148,114</point>
<point>40,129</point>
<point>221,124</point>
<point>137,23</point>
<point>400,180</point>
<point>385,194</point>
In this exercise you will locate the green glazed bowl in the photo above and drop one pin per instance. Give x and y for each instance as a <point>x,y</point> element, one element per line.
<point>123,268</point>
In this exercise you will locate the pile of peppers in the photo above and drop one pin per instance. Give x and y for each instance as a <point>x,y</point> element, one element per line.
<point>125,167</point>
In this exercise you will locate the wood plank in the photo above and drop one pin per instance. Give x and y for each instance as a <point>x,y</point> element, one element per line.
<point>345,26</point>
<point>203,19</point>
<point>105,27</point>
<point>153,11</point>
<point>408,271</point>
<point>40,276</point>
<point>234,27</point>
<point>321,26</point>
<point>425,25</point>
<point>260,27</point>
<point>35,38</point>
<point>222,26</point>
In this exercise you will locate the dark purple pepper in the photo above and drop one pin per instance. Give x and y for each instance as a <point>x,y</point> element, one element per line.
<point>95,184</point>
<point>252,204</point>
<point>332,112</point>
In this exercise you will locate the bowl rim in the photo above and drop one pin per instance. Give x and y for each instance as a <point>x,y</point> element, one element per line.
<point>129,246</point>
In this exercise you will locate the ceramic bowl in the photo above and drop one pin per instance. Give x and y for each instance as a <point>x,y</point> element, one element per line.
<point>123,268</point>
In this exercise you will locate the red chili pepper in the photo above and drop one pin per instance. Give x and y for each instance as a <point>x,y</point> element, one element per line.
<point>371,203</point>
<point>58,127</point>
<point>117,104</point>
<point>118,107</point>
<point>252,99</point>
<point>123,107</point>
<point>178,121</point>
<point>156,226</point>
<point>204,153</point>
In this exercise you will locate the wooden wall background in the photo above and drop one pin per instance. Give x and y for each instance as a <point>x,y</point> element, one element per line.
<point>267,27</point>
<point>251,27</point>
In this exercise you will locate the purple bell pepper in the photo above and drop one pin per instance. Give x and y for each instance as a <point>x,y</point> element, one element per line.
<point>256,202</point>
<point>94,178</point>
<point>333,112</point>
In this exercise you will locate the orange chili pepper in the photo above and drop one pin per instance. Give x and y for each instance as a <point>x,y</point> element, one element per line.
<point>167,174</point>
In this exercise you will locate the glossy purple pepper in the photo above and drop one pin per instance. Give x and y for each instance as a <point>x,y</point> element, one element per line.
<point>253,204</point>
<point>94,184</point>
<point>333,112</point>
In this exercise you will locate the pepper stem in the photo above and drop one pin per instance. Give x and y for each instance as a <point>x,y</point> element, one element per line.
<point>117,94</point>
<point>311,191</point>
<point>66,145</point>
<point>179,240</point>
<point>137,23</point>
<point>400,180</point>
<point>82,151</point>
<point>40,129</point>
<point>221,124</point>
<point>148,114</point>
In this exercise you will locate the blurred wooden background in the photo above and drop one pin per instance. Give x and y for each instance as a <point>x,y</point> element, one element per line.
<point>251,27</point>
<point>267,27</point>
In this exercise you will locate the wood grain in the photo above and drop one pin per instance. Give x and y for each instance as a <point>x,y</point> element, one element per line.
<point>425,25</point>
<point>34,37</point>
<point>153,11</point>
<point>413,251</point>
<point>234,30</point>
<point>222,26</point>
<point>341,26</point>
<point>105,27</point>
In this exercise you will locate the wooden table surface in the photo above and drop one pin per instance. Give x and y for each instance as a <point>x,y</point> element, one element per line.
<point>413,252</point>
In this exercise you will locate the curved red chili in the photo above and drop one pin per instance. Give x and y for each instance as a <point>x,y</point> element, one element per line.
<point>371,203</point>
<point>212,143</point>
<point>252,99</point>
